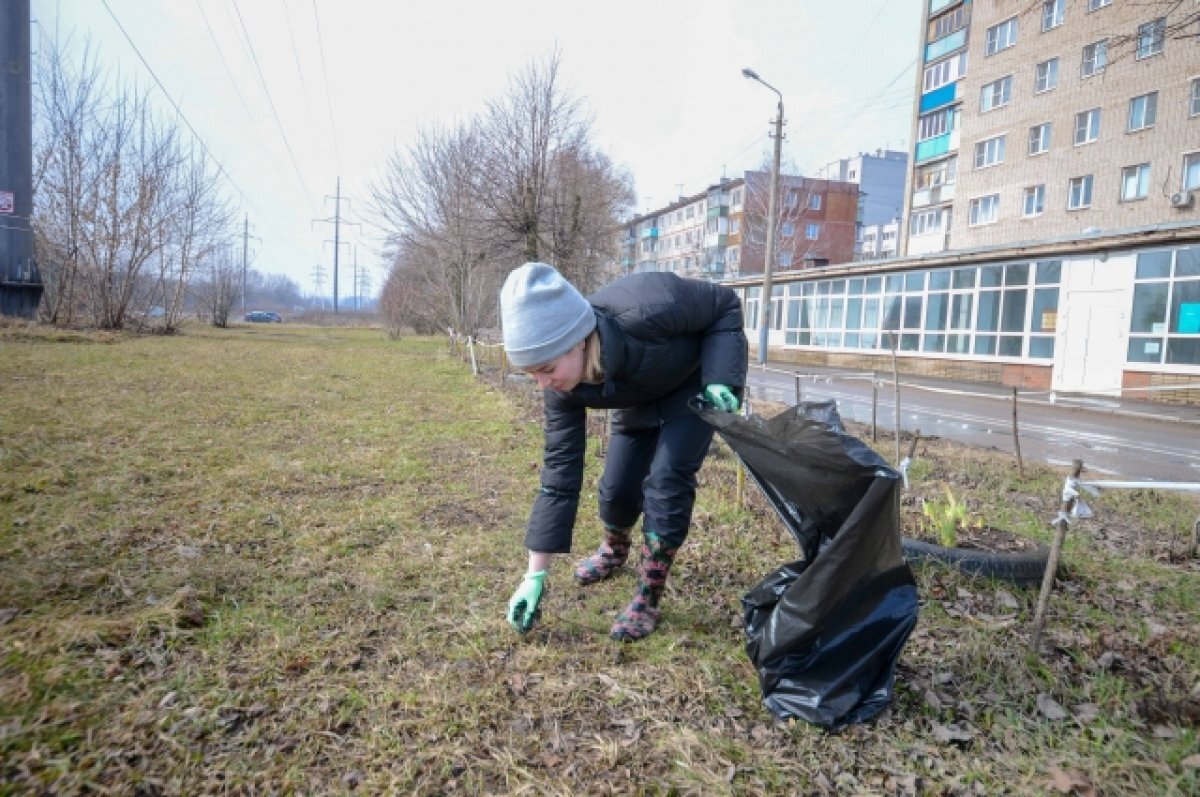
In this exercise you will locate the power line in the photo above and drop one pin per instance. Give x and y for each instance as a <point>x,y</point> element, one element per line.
<point>337,155</point>
<point>274,113</point>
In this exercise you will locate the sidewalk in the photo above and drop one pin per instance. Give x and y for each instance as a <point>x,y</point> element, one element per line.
<point>1113,405</point>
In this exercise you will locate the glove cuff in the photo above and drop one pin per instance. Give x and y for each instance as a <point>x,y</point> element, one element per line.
<point>539,576</point>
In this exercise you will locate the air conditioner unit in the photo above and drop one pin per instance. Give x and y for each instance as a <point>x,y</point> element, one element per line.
<point>1182,199</point>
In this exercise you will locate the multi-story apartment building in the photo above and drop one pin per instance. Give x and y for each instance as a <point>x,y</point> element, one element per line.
<point>880,178</point>
<point>1051,229</point>
<point>1044,120</point>
<point>720,233</point>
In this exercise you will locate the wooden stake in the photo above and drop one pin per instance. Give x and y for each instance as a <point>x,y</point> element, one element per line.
<point>1060,534</point>
<point>1016,438</point>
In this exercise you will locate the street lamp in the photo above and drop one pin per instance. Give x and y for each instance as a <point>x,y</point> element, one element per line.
<point>764,310</point>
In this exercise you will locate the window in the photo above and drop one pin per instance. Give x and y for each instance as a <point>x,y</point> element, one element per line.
<point>785,261</point>
<point>1135,182</point>
<point>1194,103</point>
<point>1039,138</point>
<point>1052,14</point>
<point>1142,111</point>
<point>1045,76</point>
<point>1002,36</point>
<point>1087,126</point>
<point>1079,193</point>
<point>925,221</point>
<point>989,152</point>
<point>812,232</point>
<point>1191,171</point>
<point>934,124</point>
<point>1150,37</point>
<point>735,225</point>
<point>1095,58</point>
<point>1164,325</point>
<point>996,94</point>
<point>1035,201</point>
<point>788,229</point>
<point>948,23</point>
<point>814,202</point>
<point>1095,4</point>
<point>984,210</point>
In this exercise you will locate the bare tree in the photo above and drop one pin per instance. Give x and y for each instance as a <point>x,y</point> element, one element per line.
<point>524,133</point>
<point>116,195</point>
<point>217,287</point>
<point>439,231</point>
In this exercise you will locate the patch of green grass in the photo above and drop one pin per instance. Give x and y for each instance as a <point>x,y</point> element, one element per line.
<point>277,560</point>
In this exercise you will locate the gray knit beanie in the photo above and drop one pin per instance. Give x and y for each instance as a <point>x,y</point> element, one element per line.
<point>542,315</point>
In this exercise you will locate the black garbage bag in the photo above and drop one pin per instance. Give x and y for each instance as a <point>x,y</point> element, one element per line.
<point>825,632</point>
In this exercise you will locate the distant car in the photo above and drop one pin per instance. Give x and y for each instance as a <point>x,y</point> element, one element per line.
<point>264,317</point>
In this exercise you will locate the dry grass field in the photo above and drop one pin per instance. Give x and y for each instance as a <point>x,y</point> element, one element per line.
<point>275,560</point>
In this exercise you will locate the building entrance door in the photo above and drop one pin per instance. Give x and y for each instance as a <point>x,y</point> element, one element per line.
<point>1093,326</point>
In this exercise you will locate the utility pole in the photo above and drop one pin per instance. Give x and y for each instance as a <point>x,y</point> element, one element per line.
<point>318,275</point>
<point>764,310</point>
<point>337,237</point>
<point>246,236</point>
<point>20,284</point>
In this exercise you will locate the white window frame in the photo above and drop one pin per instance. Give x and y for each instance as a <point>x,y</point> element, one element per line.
<point>1041,139</point>
<point>1084,127</point>
<point>934,124</point>
<point>812,231</point>
<point>1096,5</point>
<point>1053,13</point>
<point>989,152</point>
<point>1037,193</point>
<point>1096,63</point>
<point>1001,36</point>
<point>996,94</point>
<point>814,202</point>
<point>787,229</point>
<point>1148,114</point>
<point>923,222</point>
<point>1138,176</point>
<point>983,210</point>
<point>1045,76</point>
<point>1151,37</point>
<point>1079,192</point>
<point>1194,101</point>
<point>1191,169</point>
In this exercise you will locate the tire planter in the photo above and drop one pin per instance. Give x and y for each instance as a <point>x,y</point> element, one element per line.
<point>1025,568</point>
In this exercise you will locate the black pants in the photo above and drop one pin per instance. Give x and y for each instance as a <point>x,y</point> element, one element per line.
<point>654,452</point>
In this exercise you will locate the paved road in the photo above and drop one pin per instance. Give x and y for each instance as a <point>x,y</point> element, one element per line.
<point>1115,438</point>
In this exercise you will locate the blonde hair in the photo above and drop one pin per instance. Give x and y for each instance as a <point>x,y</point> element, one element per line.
<point>593,368</point>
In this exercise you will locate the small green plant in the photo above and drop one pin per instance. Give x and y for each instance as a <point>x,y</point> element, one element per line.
<point>945,517</point>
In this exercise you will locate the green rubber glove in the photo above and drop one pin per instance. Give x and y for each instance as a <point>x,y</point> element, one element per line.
<point>523,608</point>
<point>721,397</point>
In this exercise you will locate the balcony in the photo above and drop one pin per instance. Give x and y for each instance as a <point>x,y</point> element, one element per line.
<point>945,45</point>
<point>939,97</point>
<point>716,240</point>
<point>933,196</point>
<point>937,5</point>
<point>650,232</point>
<point>718,212</point>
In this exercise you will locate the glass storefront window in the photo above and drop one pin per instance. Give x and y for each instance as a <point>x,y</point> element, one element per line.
<point>964,278</point>
<point>1012,317</point>
<point>1016,274</point>
<point>939,280</point>
<point>1049,272</point>
<point>1150,307</point>
<point>1044,317</point>
<point>1152,265</point>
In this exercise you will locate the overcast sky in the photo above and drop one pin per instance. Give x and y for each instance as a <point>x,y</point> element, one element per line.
<point>290,95</point>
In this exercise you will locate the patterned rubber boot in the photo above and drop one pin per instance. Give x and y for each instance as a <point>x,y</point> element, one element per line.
<point>640,617</point>
<point>611,554</point>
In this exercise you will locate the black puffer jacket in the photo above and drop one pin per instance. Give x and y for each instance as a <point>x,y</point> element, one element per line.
<point>662,339</point>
